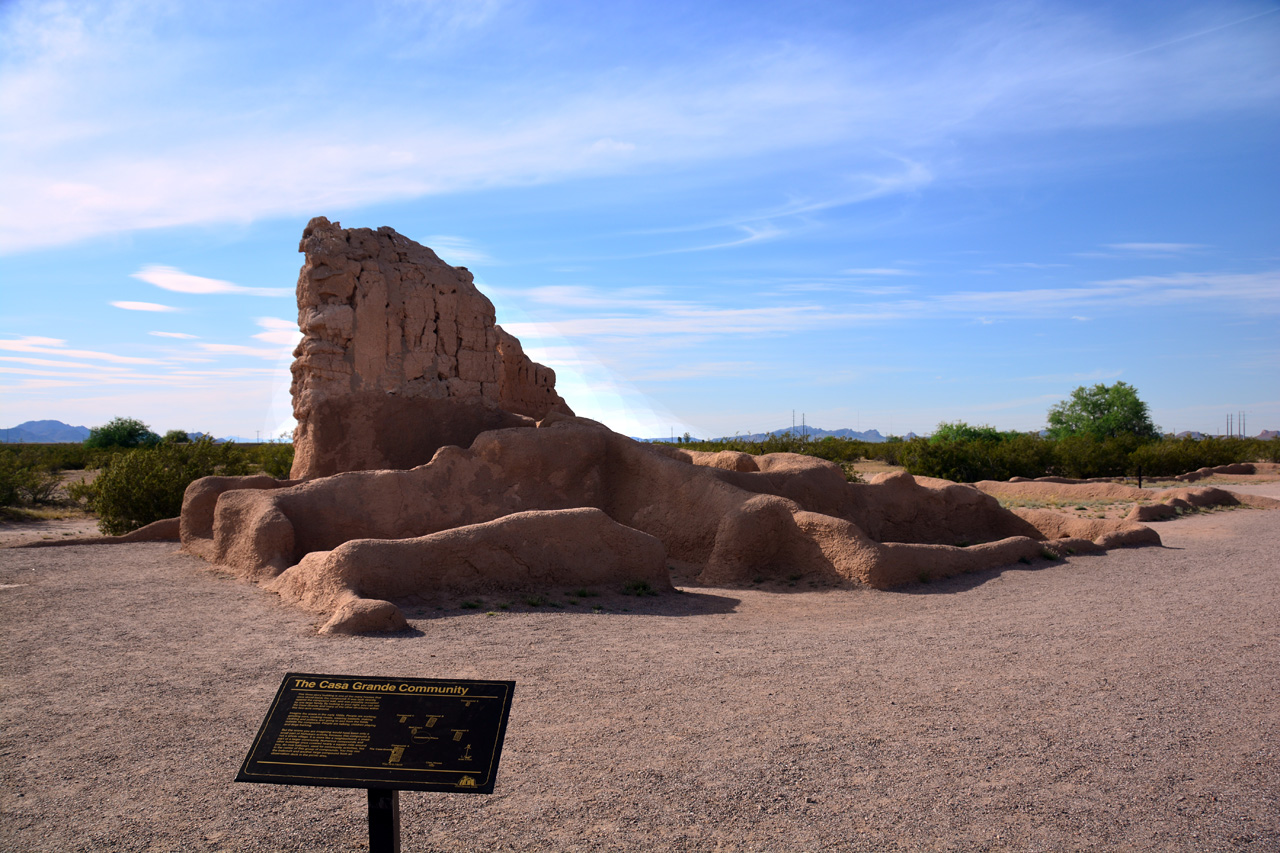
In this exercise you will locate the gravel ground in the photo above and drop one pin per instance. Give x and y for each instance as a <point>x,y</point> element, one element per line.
<point>1123,702</point>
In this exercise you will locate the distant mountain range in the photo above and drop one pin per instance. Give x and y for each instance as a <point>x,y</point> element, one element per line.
<point>815,433</point>
<point>871,435</point>
<point>56,432</point>
<point>44,432</point>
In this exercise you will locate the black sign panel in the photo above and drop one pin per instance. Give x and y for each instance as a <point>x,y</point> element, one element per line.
<point>353,731</point>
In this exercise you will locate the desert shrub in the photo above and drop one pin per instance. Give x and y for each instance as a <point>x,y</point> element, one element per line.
<point>121,432</point>
<point>26,477</point>
<point>1085,456</point>
<point>176,436</point>
<point>961,431</point>
<point>966,454</point>
<point>10,478</point>
<point>146,485</point>
<point>53,457</point>
<point>275,458</point>
<point>992,456</point>
<point>1263,450</point>
<point>889,451</point>
<point>1174,456</point>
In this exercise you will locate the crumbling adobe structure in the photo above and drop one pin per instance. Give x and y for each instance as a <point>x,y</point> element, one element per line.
<point>400,356</point>
<point>434,457</point>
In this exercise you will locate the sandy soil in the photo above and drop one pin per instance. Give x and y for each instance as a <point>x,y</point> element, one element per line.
<point>77,526</point>
<point>1123,702</point>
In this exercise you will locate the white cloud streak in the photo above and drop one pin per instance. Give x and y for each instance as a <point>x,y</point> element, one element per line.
<point>653,318</point>
<point>1157,248</point>
<point>154,307</point>
<point>241,349</point>
<point>119,129</point>
<point>170,278</point>
<point>277,331</point>
<point>56,346</point>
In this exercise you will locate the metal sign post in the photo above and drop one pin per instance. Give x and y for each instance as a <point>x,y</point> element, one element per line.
<point>384,820</point>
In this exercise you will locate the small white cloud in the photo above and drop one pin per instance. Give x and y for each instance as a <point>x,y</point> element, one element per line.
<point>171,278</point>
<point>56,346</point>
<point>611,146</point>
<point>1158,248</point>
<point>457,250</point>
<point>879,271</point>
<point>278,331</point>
<point>240,349</point>
<point>1081,319</point>
<point>182,335</point>
<point>144,306</point>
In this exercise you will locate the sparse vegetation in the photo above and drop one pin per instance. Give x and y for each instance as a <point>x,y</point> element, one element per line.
<point>146,485</point>
<point>26,480</point>
<point>276,457</point>
<point>966,454</point>
<point>638,588</point>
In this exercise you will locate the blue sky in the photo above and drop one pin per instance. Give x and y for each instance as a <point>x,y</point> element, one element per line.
<point>703,216</point>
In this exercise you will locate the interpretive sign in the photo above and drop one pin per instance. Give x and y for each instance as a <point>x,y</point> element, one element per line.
<point>353,731</point>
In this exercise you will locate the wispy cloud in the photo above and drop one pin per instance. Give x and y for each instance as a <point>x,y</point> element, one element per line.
<point>277,331</point>
<point>698,370</point>
<point>171,278</point>
<point>878,271</point>
<point>49,362</point>
<point>144,306</point>
<point>1261,291</point>
<point>1029,265</point>
<point>271,354</point>
<point>700,321</point>
<point>56,346</point>
<point>178,335</point>
<point>128,116</point>
<point>1158,248</point>
<point>636,316</point>
<point>579,296</point>
<point>458,251</point>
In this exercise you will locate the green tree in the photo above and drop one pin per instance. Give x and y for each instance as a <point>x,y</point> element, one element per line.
<point>176,436</point>
<point>121,432</point>
<point>1103,411</point>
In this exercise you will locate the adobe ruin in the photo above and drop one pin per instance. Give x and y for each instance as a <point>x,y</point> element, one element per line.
<point>432,456</point>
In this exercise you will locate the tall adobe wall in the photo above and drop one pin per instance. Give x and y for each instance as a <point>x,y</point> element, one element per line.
<point>400,356</point>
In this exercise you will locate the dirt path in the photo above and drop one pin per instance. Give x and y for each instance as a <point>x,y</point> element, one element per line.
<point>1130,701</point>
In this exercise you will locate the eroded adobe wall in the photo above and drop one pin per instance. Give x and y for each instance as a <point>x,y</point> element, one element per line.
<point>400,355</point>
